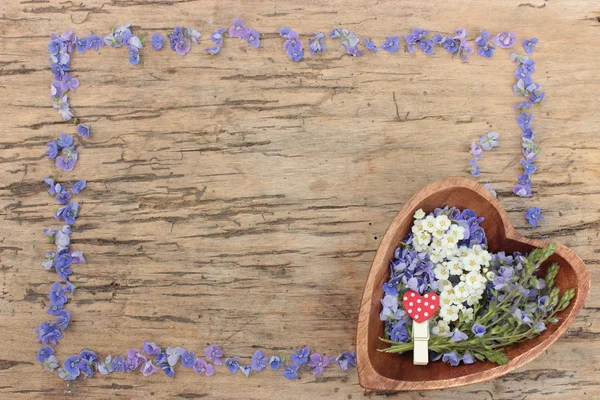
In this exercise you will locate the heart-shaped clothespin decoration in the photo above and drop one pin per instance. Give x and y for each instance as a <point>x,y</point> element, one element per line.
<point>420,308</point>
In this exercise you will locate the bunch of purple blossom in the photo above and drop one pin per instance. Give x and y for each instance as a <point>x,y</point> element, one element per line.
<point>487,142</point>
<point>241,31</point>
<point>418,38</point>
<point>181,39</point>
<point>60,48</point>
<point>217,38</point>
<point>293,46</point>
<point>485,48</point>
<point>453,45</point>
<point>123,36</point>
<point>63,151</point>
<point>348,39</point>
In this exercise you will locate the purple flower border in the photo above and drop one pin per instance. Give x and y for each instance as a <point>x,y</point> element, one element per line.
<point>63,151</point>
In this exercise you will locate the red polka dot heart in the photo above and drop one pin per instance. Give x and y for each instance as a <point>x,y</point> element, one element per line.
<point>420,308</point>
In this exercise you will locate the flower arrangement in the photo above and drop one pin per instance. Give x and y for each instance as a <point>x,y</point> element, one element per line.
<point>487,300</point>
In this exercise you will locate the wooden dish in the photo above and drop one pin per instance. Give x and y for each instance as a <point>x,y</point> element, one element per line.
<point>394,372</point>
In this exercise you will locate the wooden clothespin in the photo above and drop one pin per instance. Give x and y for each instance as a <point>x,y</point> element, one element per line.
<point>420,309</point>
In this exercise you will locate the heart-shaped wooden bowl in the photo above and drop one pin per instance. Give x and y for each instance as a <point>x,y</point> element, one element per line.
<point>394,372</point>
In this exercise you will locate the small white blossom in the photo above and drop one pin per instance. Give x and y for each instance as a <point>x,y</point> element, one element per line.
<point>419,214</point>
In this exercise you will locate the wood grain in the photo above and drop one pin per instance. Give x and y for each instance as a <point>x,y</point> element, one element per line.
<point>240,199</point>
<point>384,371</point>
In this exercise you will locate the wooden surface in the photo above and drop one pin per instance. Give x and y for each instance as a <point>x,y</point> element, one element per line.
<point>240,199</point>
<point>384,371</point>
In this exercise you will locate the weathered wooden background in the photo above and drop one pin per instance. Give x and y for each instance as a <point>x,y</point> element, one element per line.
<point>239,199</point>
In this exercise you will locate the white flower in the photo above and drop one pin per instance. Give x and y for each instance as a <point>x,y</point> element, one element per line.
<point>473,299</point>
<point>474,280</point>
<point>468,314</point>
<point>439,233</point>
<point>464,251</point>
<point>454,314</point>
<point>470,262</point>
<point>457,232</point>
<point>442,222</point>
<point>441,329</point>
<point>418,228</point>
<point>446,313</point>
<point>490,276</point>
<point>461,291</point>
<point>429,223</point>
<point>441,272</point>
<point>454,266</point>
<point>419,214</point>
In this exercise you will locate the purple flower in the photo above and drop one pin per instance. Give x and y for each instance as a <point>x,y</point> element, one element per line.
<point>66,161</point>
<point>533,215</point>
<point>315,43</point>
<point>187,359</point>
<point>232,364</point>
<point>65,140</point>
<point>275,362</point>
<point>463,51</point>
<point>180,41</point>
<point>62,195</point>
<point>539,327</point>
<point>486,51</point>
<point>94,42</point>
<point>489,140</point>
<point>63,318</point>
<point>473,168</point>
<point>414,38</point>
<point>524,120</point>
<point>528,166</point>
<point>294,47</point>
<point>291,371</point>
<point>482,39</point>
<point>252,37</point>
<point>167,369</point>
<point>78,186</point>
<point>467,359</point>
<point>217,36</point>
<point>151,348</point>
<point>52,151</point>
<point>134,55</point>
<point>57,295</point>
<point>478,330</point>
<point>391,287</point>
<point>506,40</point>
<point>119,364</point>
<point>399,333</point>
<point>529,44</point>
<point>300,356</point>
<point>451,358</point>
<point>148,368</point>
<point>83,130</point>
<point>238,29</point>
<point>426,46</point>
<point>44,353</point>
<point>246,369</point>
<point>202,367</point>
<point>173,354</point>
<point>391,44</point>
<point>82,44</point>
<point>318,362</point>
<point>369,45</point>
<point>476,150</point>
<point>213,50</point>
<point>69,83</point>
<point>458,336</point>
<point>70,366</point>
<point>522,190</point>
<point>49,332</point>
<point>503,276</point>
<point>335,33</point>
<point>214,353</point>
<point>259,361</point>
<point>69,213</point>
<point>346,360</point>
